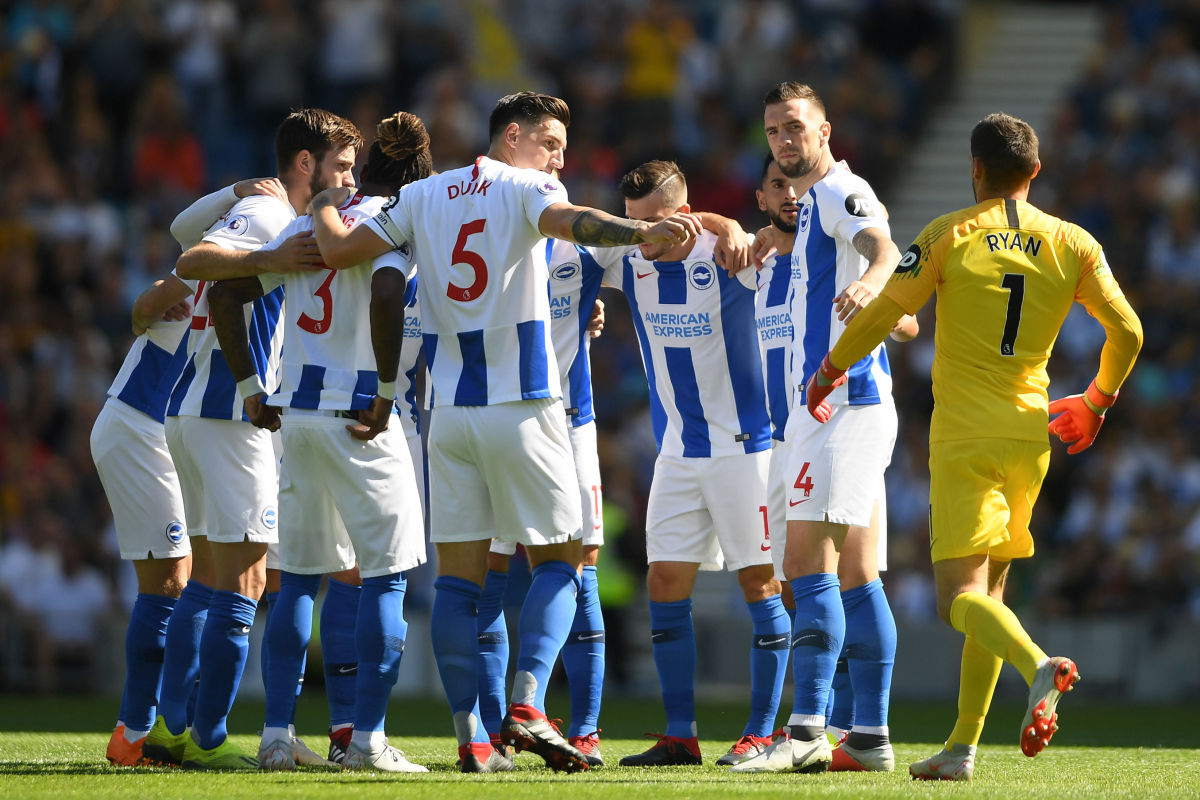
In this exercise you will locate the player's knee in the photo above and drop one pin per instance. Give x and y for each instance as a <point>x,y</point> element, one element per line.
<point>758,582</point>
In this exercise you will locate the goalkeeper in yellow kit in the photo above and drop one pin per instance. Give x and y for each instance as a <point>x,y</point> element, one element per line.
<point>1005,274</point>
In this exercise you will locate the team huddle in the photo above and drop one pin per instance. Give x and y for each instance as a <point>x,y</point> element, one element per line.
<point>263,433</point>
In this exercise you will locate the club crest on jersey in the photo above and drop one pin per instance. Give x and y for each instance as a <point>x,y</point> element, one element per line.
<point>175,532</point>
<point>702,275</point>
<point>549,187</point>
<point>269,516</point>
<point>237,224</point>
<point>804,216</point>
<point>861,206</point>
<point>564,272</point>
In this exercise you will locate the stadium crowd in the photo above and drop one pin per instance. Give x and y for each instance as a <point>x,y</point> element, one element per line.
<point>114,115</point>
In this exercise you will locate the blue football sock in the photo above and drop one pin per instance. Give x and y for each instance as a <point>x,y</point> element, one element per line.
<point>223,648</point>
<point>289,628</point>
<point>674,642</point>
<point>545,623</point>
<point>791,612</point>
<point>583,657</point>
<point>339,616</point>
<point>493,651</point>
<point>840,711</point>
<point>145,639</point>
<point>870,652</point>
<point>817,639</point>
<point>181,655</point>
<point>456,650</point>
<point>768,663</point>
<point>379,637</point>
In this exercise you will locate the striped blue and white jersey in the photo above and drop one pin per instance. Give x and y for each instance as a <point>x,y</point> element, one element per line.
<point>485,310</point>
<point>700,350</point>
<point>407,402</point>
<point>207,388</point>
<point>824,263</point>
<point>575,277</point>
<point>328,362</point>
<point>772,312</point>
<point>151,368</point>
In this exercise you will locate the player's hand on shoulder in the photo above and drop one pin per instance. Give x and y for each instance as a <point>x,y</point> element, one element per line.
<point>178,312</point>
<point>732,249</point>
<point>261,415</point>
<point>596,321</point>
<point>267,187</point>
<point>762,246</point>
<point>675,229</point>
<point>297,253</point>
<point>372,421</point>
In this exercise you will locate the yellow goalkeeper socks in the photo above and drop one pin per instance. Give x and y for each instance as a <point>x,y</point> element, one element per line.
<point>997,630</point>
<point>976,683</point>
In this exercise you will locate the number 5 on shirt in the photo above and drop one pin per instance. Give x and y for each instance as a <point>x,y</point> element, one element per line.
<point>472,259</point>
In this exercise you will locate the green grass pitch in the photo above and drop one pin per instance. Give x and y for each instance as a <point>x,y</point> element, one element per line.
<point>54,748</point>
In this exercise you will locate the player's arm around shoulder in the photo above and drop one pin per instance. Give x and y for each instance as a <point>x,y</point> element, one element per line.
<point>225,301</point>
<point>591,226</point>
<point>233,248</point>
<point>165,300</point>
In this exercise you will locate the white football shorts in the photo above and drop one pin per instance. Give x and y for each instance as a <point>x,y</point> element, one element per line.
<point>709,511</point>
<point>130,451</point>
<point>229,475</point>
<point>835,471</point>
<point>342,500</point>
<point>591,492</point>
<point>502,470</point>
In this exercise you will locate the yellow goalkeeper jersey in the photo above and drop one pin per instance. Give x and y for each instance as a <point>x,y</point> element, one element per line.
<point>1005,274</point>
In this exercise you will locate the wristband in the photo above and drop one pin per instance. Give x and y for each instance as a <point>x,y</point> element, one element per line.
<point>250,387</point>
<point>828,372</point>
<point>1098,401</point>
<point>386,390</point>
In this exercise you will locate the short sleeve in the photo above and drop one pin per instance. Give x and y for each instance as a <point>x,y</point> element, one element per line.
<point>860,210</point>
<point>400,259</point>
<point>540,191</point>
<point>250,224</point>
<point>393,223</point>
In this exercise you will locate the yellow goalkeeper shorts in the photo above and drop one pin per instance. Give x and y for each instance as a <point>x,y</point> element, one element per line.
<point>981,496</point>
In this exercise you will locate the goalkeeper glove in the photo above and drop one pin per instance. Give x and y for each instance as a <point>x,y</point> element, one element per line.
<point>819,386</point>
<point>1080,417</point>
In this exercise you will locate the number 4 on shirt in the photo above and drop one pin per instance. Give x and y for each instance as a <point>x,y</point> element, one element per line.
<point>473,260</point>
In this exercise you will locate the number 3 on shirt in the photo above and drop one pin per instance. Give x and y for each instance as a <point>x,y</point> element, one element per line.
<point>472,259</point>
<point>319,326</point>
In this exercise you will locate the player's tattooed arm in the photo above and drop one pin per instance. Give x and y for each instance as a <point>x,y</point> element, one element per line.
<point>882,256</point>
<point>225,301</point>
<point>595,228</point>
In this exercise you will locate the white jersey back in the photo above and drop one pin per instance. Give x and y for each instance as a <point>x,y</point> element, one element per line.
<point>407,402</point>
<point>328,362</point>
<point>151,368</point>
<point>700,351</point>
<point>485,309</point>
<point>824,263</point>
<point>772,314</point>
<point>207,388</point>
<point>575,277</point>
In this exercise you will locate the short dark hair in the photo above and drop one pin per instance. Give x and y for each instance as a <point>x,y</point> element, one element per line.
<point>400,153</point>
<point>655,176</point>
<point>792,90</point>
<point>1008,149</point>
<point>767,162</point>
<point>315,130</point>
<point>527,108</point>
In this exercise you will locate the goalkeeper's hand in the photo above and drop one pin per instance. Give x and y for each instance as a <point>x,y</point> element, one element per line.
<point>819,386</point>
<point>1080,417</point>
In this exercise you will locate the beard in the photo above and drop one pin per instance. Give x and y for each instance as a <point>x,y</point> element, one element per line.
<point>800,167</point>
<point>316,184</point>
<point>780,223</point>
